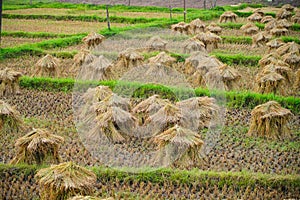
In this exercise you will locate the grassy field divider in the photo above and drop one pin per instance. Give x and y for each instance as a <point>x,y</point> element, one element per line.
<point>88,18</point>
<point>238,59</point>
<point>176,176</point>
<point>248,40</point>
<point>231,25</point>
<point>37,34</point>
<point>233,98</point>
<point>39,47</point>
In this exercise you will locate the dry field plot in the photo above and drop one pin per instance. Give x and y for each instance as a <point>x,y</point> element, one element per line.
<point>13,41</point>
<point>232,149</point>
<point>66,27</point>
<point>74,12</point>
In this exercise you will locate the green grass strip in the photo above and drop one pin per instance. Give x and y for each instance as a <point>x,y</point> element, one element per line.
<point>37,34</point>
<point>238,59</point>
<point>248,40</point>
<point>139,90</point>
<point>237,39</point>
<point>231,25</point>
<point>176,176</point>
<point>91,18</point>
<point>38,48</point>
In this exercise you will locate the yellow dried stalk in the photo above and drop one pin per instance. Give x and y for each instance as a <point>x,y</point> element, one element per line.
<point>47,66</point>
<point>10,119</point>
<point>180,146</point>
<point>271,82</point>
<point>196,26</point>
<point>266,19</point>
<point>255,17</point>
<point>38,146</point>
<point>9,82</point>
<point>249,28</point>
<point>270,120</point>
<point>60,182</point>
<point>156,44</point>
<point>228,15</point>
<point>162,58</point>
<point>214,28</point>
<point>192,45</point>
<point>93,39</point>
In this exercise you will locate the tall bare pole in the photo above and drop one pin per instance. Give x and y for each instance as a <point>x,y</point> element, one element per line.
<point>170,6</point>
<point>107,17</point>
<point>184,11</point>
<point>0,20</point>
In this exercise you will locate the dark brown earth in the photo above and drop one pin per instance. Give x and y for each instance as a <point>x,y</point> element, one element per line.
<point>179,3</point>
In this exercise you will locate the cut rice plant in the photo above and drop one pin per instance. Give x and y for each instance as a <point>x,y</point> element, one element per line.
<point>38,146</point>
<point>260,39</point>
<point>113,119</point>
<point>297,82</point>
<point>47,66</point>
<point>270,120</point>
<point>196,26</point>
<point>249,29</point>
<point>293,59</point>
<point>179,147</point>
<point>98,70</point>
<point>210,40</point>
<point>162,58</point>
<point>290,47</point>
<point>165,118</point>
<point>84,56</point>
<point>156,44</point>
<point>214,28</point>
<point>267,19</point>
<point>60,182</point>
<point>88,198</point>
<point>255,17</point>
<point>192,45</point>
<point>199,112</point>
<point>127,60</point>
<point>10,119</point>
<point>149,107</point>
<point>181,27</point>
<point>274,44</point>
<point>270,82</point>
<point>223,78</point>
<point>93,39</point>
<point>228,16</point>
<point>9,82</point>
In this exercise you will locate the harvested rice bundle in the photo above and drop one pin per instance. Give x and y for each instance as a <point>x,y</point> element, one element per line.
<point>64,181</point>
<point>223,77</point>
<point>270,120</point>
<point>38,146</point>
<point>10,119</point>
<point>157,44</point>
<point>249,29</point>
<point>179,147</point>
<point>192,45</point>
<point>260,39</point>
<point>228,15</point>
<point>196,26</point>
<point>93,39</point>
<point>47,66</point>
<point>9,82</point>
<point>162,58</point>
<point>214,28</point>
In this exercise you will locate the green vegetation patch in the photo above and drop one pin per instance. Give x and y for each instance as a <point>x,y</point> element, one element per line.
<point>233,98</point>
<point>175,176</point>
